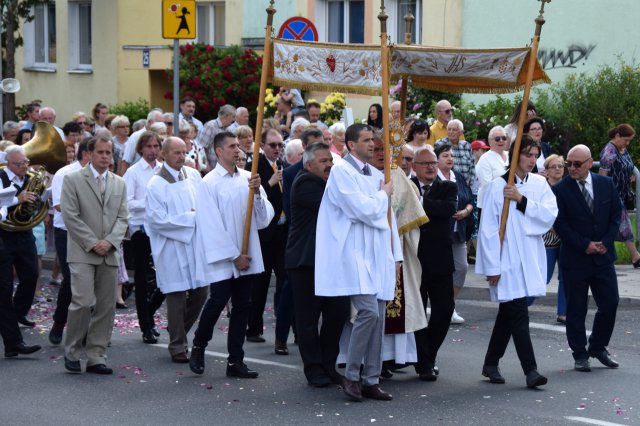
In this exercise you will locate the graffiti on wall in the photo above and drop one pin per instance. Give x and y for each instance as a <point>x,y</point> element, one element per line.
<point>571,57</point>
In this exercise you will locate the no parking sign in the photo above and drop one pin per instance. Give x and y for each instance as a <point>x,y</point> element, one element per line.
<point>298,28</point>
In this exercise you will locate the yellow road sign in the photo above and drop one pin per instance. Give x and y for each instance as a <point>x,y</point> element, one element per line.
<point>178,19</point>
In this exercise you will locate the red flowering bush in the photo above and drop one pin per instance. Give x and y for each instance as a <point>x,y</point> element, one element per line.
<point>218,76</point>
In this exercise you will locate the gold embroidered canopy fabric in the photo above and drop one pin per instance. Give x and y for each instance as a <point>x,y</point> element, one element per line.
<point>356,68</point>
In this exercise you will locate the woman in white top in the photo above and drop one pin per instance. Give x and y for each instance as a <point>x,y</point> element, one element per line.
<point>494,163</point>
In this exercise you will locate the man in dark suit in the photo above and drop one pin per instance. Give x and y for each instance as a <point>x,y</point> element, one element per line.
<point>439,199</point>
<point>16,249</point>
<point>587,223</point>
<point>319,351</point>
<point>273,238</point>
<point>308,137</point>
<point>19,246</point>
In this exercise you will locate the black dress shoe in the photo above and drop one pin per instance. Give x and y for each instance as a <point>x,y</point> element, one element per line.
<point>428,375</point>
<point>121,306</point>
<point>281,348</point>
<point>148,337</point>
<point>352,390</point>
<point>374,392</point>
<point>535,379</point>
<point>386,373</point>
<point>21,349</point>
<point>155,331</point>
<point>196,362</point>
<point>27,323</point>
<point>582,365</point>
<point>99,369</point>
<point>255,338</point>
<point>72,366</point>
<point>55,335</point>
<point>240,370</point>
<point>605,359</point>
<point>493,373</point>
<point>335,377</point>
<point>319,382</point>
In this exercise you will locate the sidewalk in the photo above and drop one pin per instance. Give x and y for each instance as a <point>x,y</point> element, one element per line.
<point>476,288</point>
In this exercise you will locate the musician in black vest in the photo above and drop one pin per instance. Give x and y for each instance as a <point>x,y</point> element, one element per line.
<point>17,250</point>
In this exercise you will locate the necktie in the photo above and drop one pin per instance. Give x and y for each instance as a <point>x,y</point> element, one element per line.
<point>425,190</point>
<point>274,166</point>
<point>366,170</point>
<point>180,176</point>
<point>586,195</point>
<point>101,184</point>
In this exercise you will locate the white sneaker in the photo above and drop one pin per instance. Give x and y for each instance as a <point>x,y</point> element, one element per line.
<point>456,319</point>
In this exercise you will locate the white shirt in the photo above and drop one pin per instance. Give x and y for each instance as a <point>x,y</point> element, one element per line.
<point>137,177</point>
<point>56,191</point>
<point>193,120</point>
<point>221,208</point>
<point>354,249</point>
<point>588,184</point>
<point>521,262</point>
<point>170,223</point>
<point>14,179</point>
<point>130,156</point>
<point>490,166</point>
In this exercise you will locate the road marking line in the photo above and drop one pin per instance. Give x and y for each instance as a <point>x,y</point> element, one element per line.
<point>252,360</point>
<point>548,327</point>
<point>589,421</point>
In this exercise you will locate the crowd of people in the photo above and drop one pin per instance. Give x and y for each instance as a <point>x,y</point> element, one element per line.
<point>384,285</point>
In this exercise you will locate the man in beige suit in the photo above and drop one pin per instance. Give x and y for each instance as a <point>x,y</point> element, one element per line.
<point>94,209</point>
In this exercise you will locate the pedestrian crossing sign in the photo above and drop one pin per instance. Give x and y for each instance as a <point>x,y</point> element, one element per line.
<point>179,19</point>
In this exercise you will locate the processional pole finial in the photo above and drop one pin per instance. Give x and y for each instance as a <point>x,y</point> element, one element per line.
<point>408,22</point>
<point>540,19</point>
<point>271,10</point>
<point>382,17</point>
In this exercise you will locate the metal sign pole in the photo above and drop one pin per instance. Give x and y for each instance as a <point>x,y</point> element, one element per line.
<point>176,85</point>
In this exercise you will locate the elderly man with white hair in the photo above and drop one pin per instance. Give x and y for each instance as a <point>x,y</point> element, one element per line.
<point>130,156</point>
<point>462,156</point>
<point>293,151</point>
<point>48,114</point>
<point>297,127</point>
<point>242,119</point>
<point>226,117</point>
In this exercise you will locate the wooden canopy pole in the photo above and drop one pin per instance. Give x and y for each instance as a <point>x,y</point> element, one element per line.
<point>408,19</point>
<point>384,65</point>
<point>533,57</point>
<point>266,60</point>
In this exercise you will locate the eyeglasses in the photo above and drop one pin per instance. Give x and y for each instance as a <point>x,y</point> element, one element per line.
<point>426,163</point>
<point>500,138</point>
<point>275,145</point>
<point>575,164</point>
<point>169,123</point>
<point>408,159</point>
<point>555,167</point>
<point>21,163</point>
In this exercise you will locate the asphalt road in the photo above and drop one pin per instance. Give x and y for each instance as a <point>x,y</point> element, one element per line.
<point>148,389</point>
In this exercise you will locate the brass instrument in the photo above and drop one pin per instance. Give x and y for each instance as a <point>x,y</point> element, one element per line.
<point>47,152</point>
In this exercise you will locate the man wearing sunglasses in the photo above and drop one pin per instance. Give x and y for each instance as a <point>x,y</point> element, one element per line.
<point>438,130</point>
<point>588,221</point>
<point>273,238</point>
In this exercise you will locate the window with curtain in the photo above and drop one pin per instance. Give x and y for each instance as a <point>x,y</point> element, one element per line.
<point>210,23</point>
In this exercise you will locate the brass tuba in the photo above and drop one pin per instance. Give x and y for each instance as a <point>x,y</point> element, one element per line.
<point>46,151</point>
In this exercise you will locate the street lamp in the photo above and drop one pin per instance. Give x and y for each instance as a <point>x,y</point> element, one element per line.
<point>8,85</point>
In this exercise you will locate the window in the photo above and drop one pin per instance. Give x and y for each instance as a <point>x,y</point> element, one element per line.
<point>40,37</point>
<point>80,35</point>
<point>397,10</point>
<point>210,23</point>
<point>344,21</point>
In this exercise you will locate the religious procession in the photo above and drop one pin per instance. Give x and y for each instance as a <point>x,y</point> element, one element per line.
<point>366,229</point>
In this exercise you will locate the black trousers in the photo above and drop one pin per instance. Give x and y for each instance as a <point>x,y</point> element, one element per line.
<point>273,259</point>
<point>604,287</point>
<point>438,288</point>
<point>146,304</point>
<point>20,253</point>
<point>239,290</point>
<point>9,330</point>
<point>512,320</point>
<point>64,293</point>
<point>318,351</point>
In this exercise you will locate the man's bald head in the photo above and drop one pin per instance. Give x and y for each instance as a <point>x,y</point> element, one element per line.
<point>174,151</point>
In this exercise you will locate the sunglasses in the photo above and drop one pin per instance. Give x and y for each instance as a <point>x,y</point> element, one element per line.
<point>575,164</point>
<point>500,138</point>
<point>447,111</point>
<point>275,145</point>
<point>169,123</point>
